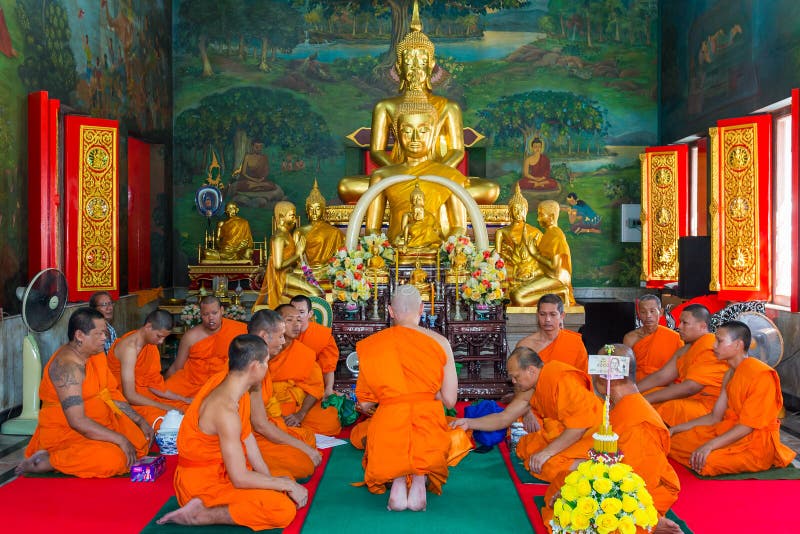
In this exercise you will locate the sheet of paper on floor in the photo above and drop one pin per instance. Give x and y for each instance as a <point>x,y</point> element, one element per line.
<point>326,442</point>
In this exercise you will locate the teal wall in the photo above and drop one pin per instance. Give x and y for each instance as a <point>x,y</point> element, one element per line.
<point>301,76</point>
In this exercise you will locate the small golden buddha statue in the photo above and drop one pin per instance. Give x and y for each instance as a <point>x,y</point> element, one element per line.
<point>376,261</point>
<point>233,240</point>
<point>322,240</point>
<point>414,65</point>
<point>418,277</point>
<point>554,258</point>
<point>511,242</point>
<point>284,278</point>
<point>420,228</point>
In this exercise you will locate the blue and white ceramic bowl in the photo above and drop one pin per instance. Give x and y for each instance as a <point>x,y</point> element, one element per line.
<point>167,442</point>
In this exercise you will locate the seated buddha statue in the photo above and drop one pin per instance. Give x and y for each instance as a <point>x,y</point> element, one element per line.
<point>234,240</point>
<point>554,258</point>
<point>284,278</point>
<point>322,239</point>
<point>414,66</point>
<point>512,241</point>
<point>254,170</point>
<point>420,228</point>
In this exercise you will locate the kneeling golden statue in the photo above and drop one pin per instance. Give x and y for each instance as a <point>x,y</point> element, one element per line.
<point>233,241</point>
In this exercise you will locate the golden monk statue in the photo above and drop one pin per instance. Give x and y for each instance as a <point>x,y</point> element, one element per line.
<point>513,242</point>
<point>322,239</point>
<point>284,278</point>
<point>414,66</point>
<point>554,258</point>
<point>234,240</point>
<point>420,228</point>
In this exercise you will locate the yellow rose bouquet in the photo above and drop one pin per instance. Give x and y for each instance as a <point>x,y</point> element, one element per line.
<point>346,271</point>
<point>487,272</point>
<point>603,499</point>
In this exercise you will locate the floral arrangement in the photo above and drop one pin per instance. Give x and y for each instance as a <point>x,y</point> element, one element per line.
<point>375,244</point>
<point>603,499</point>
<point>347,274</point>
<point>487,272</point>
<point>309,274</point>
<point>458,244</point>
<point>190,315</point>
<point>235,312</point>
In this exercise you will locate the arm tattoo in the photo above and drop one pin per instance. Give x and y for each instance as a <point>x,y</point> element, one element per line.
<point>64,375</point>
<point>69,402</point>
<point>127,410</point>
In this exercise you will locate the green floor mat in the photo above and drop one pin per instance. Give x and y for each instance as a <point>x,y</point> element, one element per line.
<point>777,473</point>
<point>525,476</point>
<point>479,496</point>
<point>538,500</point>
<point>172,504</point>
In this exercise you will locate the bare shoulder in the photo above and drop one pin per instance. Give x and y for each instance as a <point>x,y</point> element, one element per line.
<point>66,371</point>
<point>193,335</point>
<point>125,349</point>
<point>440,339</point>
<point>632,337</point>
<point>530,341</point>
<point>216,412</point>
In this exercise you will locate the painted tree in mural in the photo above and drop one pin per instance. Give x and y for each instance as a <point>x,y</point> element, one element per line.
<point>48,57</point>
<point>201,20</point>
<point>276,118</point>
<point>563,120</point>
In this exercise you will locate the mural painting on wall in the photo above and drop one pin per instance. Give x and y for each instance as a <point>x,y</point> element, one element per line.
<point>274,87</point>
<point>107,58</point>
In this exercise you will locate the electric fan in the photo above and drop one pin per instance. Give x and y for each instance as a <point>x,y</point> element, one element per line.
<point>43,302</point>
<point>767,343</point>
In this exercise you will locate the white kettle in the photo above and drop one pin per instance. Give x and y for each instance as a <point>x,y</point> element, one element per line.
<point>170,422</point>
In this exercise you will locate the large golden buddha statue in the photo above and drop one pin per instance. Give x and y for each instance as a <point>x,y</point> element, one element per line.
<point>414,66</point>
<point>322,239</point>
<point>233,240</point>
<point>284,278</point>
<point>514,242</point>
<point>420,229</point>
<point>554,258</point>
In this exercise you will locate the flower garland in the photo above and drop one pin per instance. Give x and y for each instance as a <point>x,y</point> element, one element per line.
<point>375,244</point>
<point>455,245</point>
<point>602,499</point>
<point>235,312</point>
<point>190,315</point>
<point>347,274</point>
<point>485,282</point>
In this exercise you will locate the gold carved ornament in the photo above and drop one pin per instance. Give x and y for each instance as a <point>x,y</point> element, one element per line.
<point>97,202</point>
<point>713,209</point>
<point>660,220</point>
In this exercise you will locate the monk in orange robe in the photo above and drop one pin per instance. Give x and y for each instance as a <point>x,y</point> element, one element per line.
<point>297,381</point>
<point>552,341</point>
<point>221,477</point>
<point>643,439</point>
<point>320,339</point>
<point>741,433</point>
<point>652,343</point>
<point>86,428</point>
<point>135,362</point>
<point>203,351</point>
<point>566,408</point>
<point>688,385</point>
<point>407,438</point>
<point>288,451</point>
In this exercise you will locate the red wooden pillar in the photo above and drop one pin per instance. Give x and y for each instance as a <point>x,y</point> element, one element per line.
<point>92,206</point>
<point>138,215</point>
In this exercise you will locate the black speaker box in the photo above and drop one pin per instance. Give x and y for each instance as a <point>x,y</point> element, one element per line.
<point>694,266</point>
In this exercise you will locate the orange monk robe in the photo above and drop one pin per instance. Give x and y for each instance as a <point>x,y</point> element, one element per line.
<point>402,370</point>
<point>563,399</point>
<point>147,373</point>
<point>655,350</point>
<point>567,347</point>
<point>700,364</point>
<point>644,440</point>
<point>201,472</point>
<point>283,460</point>
<point>295,374</point>
<point>320,339</point>
<point>207,357</point>
<point>754,400</point>
<point>70,451</point>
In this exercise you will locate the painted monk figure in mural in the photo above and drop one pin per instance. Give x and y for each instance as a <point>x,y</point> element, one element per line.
<point>221,478</point>
<point>741,433</point>
<point>652,343</point>
<point>688,385</point>
<point>86,428</point>
<point>536,170</point>
<point>203,350</point>
<point>253,171</point>
<point>135,362</point>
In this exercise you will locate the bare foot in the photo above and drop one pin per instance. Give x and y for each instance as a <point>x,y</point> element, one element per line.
<point>39,462</point>
<point>398,498</point>
<point>185,515</point>
<point>417,495</point>
<point>667,526</point>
